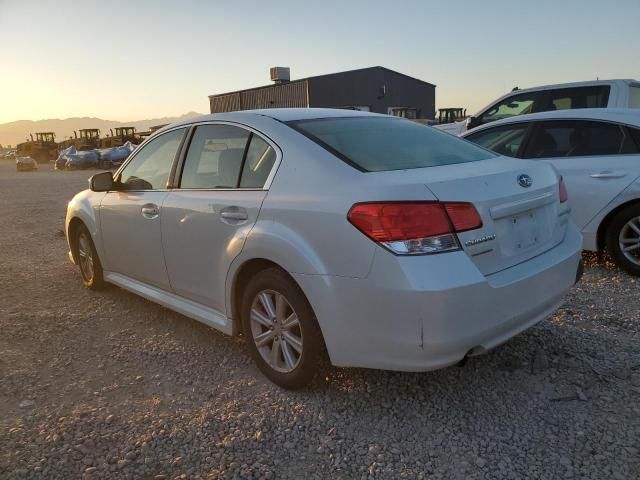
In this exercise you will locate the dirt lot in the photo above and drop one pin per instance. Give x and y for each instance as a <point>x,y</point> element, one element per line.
<point>108,385</point>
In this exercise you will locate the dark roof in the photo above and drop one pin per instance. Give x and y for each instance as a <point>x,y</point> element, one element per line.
<point>321,76</point>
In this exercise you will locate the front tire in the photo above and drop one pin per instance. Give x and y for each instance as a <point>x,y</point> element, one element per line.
<point>282,333</point>
<point>623,239</point>
<point>87,259</point>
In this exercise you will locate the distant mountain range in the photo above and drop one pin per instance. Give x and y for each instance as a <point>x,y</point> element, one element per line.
<point>13,133</point>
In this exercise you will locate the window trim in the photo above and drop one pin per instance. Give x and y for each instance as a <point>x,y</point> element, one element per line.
<point>118,173</point>
<point>252,131</point>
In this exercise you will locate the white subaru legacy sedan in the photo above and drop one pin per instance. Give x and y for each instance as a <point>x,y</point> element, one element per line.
<point>374,240</point>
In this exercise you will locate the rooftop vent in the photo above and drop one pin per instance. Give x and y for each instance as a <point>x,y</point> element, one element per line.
<point>280,74</point>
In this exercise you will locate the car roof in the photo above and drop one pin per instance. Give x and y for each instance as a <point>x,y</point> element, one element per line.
<point>583,83</point>
<point>280,114</point>
<point>627,116</point>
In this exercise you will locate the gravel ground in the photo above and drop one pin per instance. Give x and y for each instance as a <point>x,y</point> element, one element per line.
<point>108,385</point>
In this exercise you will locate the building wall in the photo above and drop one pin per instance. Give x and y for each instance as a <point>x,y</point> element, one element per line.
<point>363,88</point>
<point>285,95</point>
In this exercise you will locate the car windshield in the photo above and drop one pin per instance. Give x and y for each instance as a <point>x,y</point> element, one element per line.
<point>374,144</point>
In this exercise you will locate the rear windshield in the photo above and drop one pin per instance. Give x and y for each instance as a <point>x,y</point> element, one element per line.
<point>375,144</point>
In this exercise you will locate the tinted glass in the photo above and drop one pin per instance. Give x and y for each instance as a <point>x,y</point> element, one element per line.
<point>634,133</point>
<point>578,97</point>
<point>504,140</point>
<point>258,164</point>
<point>509,107</point>
<point>151,166</point>
<point>634,97</point>
<point>385,143</point>
<point>215,156</point>
<point>572,138</point>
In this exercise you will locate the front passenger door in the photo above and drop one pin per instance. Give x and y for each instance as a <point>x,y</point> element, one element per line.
<point>130,217</point>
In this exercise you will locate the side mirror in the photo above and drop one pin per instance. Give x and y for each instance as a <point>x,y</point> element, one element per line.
<point>101,182</point>
<point>471,122</point>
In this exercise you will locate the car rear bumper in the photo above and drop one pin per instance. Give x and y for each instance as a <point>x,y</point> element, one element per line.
<point>428,312</point>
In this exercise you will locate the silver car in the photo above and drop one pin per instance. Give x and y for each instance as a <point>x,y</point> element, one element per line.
<point>374,240</point>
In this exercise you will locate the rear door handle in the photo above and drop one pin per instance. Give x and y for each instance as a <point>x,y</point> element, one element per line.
<point>150,210</point>
<point>608,174</point>
<point>234,215</point>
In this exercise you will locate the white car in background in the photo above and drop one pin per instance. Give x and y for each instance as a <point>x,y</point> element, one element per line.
<point>597,151</point>
<point>592,94</point>
<point>390,244</point>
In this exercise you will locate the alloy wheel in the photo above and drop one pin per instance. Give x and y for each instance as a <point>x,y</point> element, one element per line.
<point>276,331</point>
<point>85,256</point>
<point>629,240</point>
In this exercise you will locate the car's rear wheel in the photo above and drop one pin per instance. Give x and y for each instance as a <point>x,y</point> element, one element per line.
<point>623,239</point>
<point>281,330</point>
<point>87,258</point>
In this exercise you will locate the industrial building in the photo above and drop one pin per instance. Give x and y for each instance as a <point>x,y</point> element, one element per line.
<point>373,89</point>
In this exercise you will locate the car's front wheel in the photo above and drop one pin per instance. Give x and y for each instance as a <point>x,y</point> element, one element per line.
<point>87,259</point>
<point>281,330</point>
<point>623,239</point>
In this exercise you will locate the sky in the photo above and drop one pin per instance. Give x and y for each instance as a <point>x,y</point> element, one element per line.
<point>130,60</point>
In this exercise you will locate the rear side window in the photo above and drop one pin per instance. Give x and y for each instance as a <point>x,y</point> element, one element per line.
<point>258,164</point>
<point>634,97</point>
<point>577,97</point>
<point>374,144</point>
<point>505,140</point>
<point>635,136</point>
<point>574,138</point>
<point>215,157</point>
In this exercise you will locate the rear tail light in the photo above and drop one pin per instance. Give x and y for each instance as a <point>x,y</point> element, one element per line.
<point>563,191</point>
<point>412,228</point>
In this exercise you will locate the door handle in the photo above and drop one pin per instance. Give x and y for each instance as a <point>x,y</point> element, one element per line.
<point>150,210</point>
<point>608,174</point>
<point>234,215</point>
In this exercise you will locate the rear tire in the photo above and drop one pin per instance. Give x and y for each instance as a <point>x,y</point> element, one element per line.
<point>87,259</point>
<point>623,239</point>
<point>282,333</point>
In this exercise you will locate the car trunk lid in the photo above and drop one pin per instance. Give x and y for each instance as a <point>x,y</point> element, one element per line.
<point>517,200</point>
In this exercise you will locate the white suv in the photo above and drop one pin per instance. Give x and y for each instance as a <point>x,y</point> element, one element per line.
<point>565,96</point>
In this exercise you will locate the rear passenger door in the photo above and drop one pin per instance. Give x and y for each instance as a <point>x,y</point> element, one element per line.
<point>223,182</point>
<point>597,160</point>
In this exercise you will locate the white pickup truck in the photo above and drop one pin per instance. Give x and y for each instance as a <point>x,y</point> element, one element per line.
<point>593,94</point>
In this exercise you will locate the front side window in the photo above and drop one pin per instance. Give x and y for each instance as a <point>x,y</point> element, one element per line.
<point>509,107</point>
<point>575,138</point>
<point>577,97</point>
<point>215,157</point>
<point>149,169</point>
<point>374,144</point>
<point>505,140</point>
